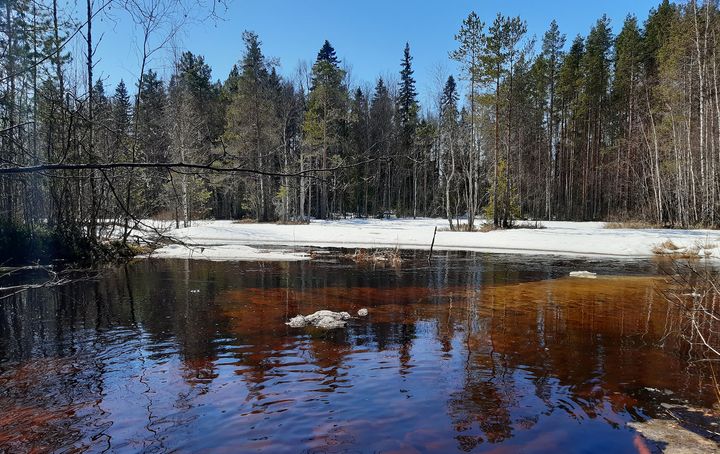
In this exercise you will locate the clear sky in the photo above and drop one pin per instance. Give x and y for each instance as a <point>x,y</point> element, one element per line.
<point>369,35</point>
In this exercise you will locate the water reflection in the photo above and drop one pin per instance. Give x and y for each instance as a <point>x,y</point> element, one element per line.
<point>474,353</point>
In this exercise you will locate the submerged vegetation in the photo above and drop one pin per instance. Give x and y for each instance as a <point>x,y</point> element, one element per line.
<point>376,256</point>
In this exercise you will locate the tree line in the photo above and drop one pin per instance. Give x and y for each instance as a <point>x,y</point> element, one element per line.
<point>600,127</point>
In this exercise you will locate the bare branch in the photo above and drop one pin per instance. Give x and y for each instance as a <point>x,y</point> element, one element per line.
<point>172,166</point>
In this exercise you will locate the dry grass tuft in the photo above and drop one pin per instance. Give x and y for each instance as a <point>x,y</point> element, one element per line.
<point>486,227</point>
<point>631,225</point>
<point>669,245</point>
<point>294,222</point>
<point>669,249</point>
<point>365,256</point>
<point>361,256</point>
<point>695,291</point>
<point>528,225</point>
<point>394,258</point>
<point>483,227</point>
<point>461,228</point>
<point>689,253</point>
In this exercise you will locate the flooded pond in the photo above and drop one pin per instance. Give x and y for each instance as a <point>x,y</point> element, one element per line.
<point>471,353</point>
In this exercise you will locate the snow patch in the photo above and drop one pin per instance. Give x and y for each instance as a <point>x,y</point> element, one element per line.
<point>228,252</point>
<point>583,274</point>
<point>226,240</point>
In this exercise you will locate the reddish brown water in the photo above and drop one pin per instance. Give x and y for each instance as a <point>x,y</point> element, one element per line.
<point>473,353</point>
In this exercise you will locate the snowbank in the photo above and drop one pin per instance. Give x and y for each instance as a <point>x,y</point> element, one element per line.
<point>229,240</point>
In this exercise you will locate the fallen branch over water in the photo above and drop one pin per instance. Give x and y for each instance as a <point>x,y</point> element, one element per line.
<point>56,279</point>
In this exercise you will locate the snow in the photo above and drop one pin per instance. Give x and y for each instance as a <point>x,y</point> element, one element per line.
<point>583,274</point>
<point>228,252</point>
<point>227,240</point>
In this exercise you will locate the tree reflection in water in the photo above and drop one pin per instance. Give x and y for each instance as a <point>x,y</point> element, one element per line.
<point>472,353</point>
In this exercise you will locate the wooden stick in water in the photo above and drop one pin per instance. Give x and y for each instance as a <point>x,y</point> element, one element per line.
<point>432,244</point>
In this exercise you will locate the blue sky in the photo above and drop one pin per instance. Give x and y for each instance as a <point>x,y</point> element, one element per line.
<point>369,35</point>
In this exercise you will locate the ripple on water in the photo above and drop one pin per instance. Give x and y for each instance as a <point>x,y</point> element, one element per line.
<point>474,355</point>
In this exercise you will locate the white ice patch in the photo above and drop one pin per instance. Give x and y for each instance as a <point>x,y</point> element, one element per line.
<point>583,274</point>
<point>228,252</point>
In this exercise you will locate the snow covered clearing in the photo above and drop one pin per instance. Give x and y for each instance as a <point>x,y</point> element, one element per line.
<point>227,240</point>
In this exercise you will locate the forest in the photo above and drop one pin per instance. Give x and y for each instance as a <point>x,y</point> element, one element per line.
<point>595,127</point>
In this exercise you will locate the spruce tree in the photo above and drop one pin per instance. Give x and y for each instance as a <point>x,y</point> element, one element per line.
<point>407,122</point>
<point>449,99</point>
<point>122,113</point>
<point>325,116</point>
<point>407,97</point>
<point>360,148</point>
<point>152,139</point>
<point>447,142</point>
<point>327,53</point>
<point>381,137</point>
<point>251,122</point>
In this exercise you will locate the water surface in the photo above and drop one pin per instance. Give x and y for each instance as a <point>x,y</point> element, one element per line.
<point>471,353</point>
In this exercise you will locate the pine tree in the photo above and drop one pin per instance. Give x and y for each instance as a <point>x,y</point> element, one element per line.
<point>569,83</point>
<point>658,31</point>
<point>626,95</point>
<point>471,53</point>
<point>552,55</point>
<point>514,30</point>
<point>493,62</point>
<point>595,67</point>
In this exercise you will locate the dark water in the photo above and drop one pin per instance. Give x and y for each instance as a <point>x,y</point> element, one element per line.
<point>474,353</point>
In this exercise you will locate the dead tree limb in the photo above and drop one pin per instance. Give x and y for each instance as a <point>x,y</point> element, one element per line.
<point>173,166</point>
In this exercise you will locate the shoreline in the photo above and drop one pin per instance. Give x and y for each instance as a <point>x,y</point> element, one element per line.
<point>228,240</point>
